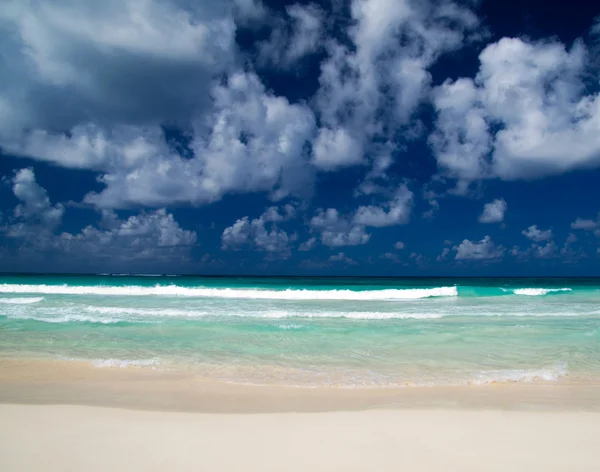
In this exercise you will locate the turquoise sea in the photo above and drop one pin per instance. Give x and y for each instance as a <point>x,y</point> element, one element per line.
<point>311,331</point>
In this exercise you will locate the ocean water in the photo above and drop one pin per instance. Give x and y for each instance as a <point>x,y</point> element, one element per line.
<point>346,332</point>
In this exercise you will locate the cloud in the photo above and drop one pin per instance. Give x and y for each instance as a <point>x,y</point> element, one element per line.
<point>587,225</point>
<point>394,212</point>
<point>435,207</point>
<point>372,87</point>
<point>254,141</point>
<point>420,259</point>
<point>545,251</point>
<point>308,245</point>
<point>35,205</point>
<point>152,238</point>
<point>245,232</point>
<point>569,252</point>
<point>444,255</point>
<point>493,212</point>
<point>77,96</point>
<point>128,61</point>
<point>341,257</point>
<point>481,250</point>
<point>157,228</point>
<point>334,149</point>
<point>399,245</point>
<point>526,114</point>
<point>390,256</point>
<point>536,234</point>
<point>294,37</point>
<point>336,230</point>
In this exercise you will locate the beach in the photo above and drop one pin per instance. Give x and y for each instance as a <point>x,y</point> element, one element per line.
<point>66,416</point>
<point>75,438</point>
<point>161,373</point>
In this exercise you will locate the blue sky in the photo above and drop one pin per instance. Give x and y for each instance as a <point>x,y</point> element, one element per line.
<point>363,137</point>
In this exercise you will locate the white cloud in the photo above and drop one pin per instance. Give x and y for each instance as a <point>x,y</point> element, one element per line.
<point>150,238</point>
<point>155,235</point>
<point>493,212</point>
<point>444,255</point>
<point>249,12</point>
<point>435,207</point>
<point>35,206</point>
<point>245,232</point>
<point>89,85</point>
<point>336,230</point>
<point>308,245</point>
<point>399,245</point>
<point>273,214</point>
<point>374,87</point>
<point>334,149</point>
<point>394,212</point>
<point>420,259</point>
<point>294,37</point>
<point>158,228</point>
<point>339,230</point>
<point>485,249</point>
<point>536,234</point>
<point>526,114</point>
<point>253,141</point>
<point>390,256</point>
<point>587,225</point>
<point>569,253</point>
<point>341,257</point>
<point>544,251</point>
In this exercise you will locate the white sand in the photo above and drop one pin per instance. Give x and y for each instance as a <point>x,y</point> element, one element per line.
<point>81,438</point>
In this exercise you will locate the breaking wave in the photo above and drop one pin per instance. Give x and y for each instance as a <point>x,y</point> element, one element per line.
<point>550,374</point>
<point>255,294</point>
<point>536,292</point>
<point>21,301</point>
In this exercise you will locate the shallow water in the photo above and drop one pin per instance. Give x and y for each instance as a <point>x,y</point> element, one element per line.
<point>352,332</point>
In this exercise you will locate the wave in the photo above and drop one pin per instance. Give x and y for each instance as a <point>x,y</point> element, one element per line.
<point>255,294</point>
<point>114,315</point>
<point>290,326</point>
<point>69,319</point>
<point>124,363</point>
<point>536,292</point>
<point>550,374</point>
<point>21,301</point>
<point>158,312</point>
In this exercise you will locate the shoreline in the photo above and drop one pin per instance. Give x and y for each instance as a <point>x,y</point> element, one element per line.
<point>50,382</point>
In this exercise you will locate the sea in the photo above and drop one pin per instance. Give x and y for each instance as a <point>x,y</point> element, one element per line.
<point>346,332</point>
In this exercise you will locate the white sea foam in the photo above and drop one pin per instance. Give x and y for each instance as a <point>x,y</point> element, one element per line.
<point>21,301</point>
<point>290,326</point>
<point>534,292</point>
<point>257,294</point>
<point>167,312</point>
<point>550,374</point>
<point>370,315</point>
<point>124,363</point>
<point>67,318</point>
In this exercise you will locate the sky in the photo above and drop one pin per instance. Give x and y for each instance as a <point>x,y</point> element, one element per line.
<point>341,137</point>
